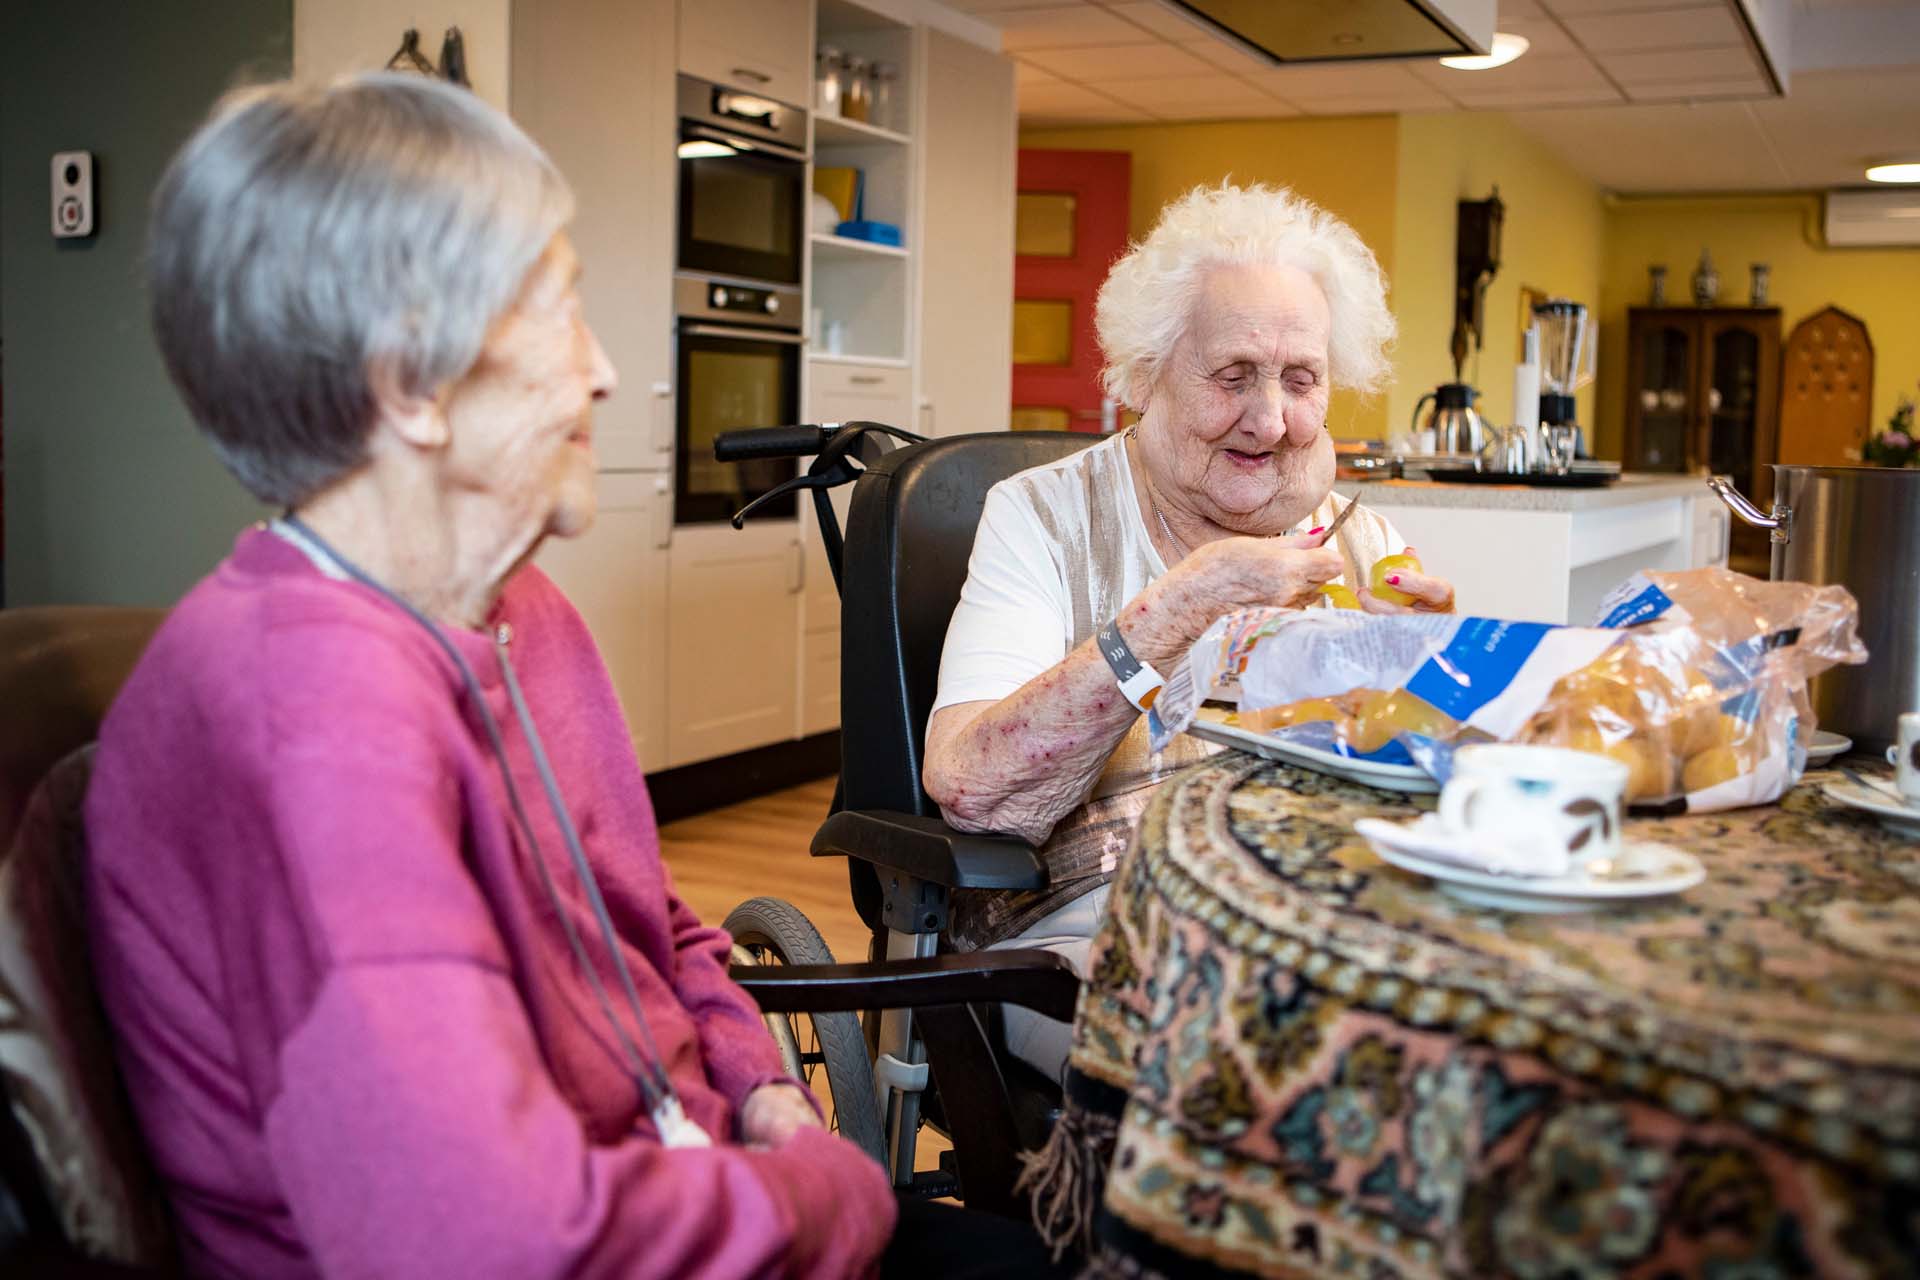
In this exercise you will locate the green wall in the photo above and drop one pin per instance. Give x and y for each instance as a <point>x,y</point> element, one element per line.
<point>110,495</point>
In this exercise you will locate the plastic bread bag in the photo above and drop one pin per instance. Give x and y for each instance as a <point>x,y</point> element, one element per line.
<point>1696,679</point>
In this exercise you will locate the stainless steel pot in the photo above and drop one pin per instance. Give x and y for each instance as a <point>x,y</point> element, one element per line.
<point>1858,527</point>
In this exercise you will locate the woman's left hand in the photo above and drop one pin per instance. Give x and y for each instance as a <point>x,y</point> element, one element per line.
<point>773,1113</point>
<point>1430,594</point>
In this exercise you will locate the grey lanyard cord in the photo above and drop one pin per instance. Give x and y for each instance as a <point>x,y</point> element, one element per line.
<point>647,1070</point>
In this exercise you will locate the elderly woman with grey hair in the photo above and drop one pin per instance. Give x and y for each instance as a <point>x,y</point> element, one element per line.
<point>1224,330</point>
<point>399,984</point>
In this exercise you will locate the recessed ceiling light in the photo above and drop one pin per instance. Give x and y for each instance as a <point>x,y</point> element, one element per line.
<point>1506,48</point>
<point>1896,171</point>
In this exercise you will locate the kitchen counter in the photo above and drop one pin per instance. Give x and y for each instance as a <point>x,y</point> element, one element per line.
<point>1628,489</point>
<point>1549,555</point>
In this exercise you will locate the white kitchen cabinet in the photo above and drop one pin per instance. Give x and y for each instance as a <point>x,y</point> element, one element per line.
<point>762,46</point>
<point>593,83</point>
<point>733,618</point>
<point>616,576</point>
<point>969,145</point>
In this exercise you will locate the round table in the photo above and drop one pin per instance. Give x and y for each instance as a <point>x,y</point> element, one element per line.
<point>1292,1059</point>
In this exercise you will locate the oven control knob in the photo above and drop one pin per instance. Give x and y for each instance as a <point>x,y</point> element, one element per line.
<point>773,304</point>
<point>719,297</point>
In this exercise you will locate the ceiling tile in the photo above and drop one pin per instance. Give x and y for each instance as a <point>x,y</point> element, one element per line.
<point>1749,86</point>
<point>1025,73</point>
<point>1678,65</point>
<point>1162,21</point>
<point>1520,9</point>
<point>1368,104</point>
<point>1112,113</point>
<point>1670,29</point>
<point>1064,99</point>
<point>1338,79</point>
<point>1526,98</point>
<point>1834,122</point>
<point>1220,54</point>
<point>1567,8</point>
<point>1264,108</point>
<point>1215,90</point>
<point>1118,62</point>
<point>1711,146</point>
<point>988,6</point>
<point>1063,27</point>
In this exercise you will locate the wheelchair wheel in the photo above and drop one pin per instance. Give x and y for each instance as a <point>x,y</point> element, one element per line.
<point>769,931</point>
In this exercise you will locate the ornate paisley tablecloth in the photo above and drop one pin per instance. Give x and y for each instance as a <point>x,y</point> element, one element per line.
<point>1292,1059</point>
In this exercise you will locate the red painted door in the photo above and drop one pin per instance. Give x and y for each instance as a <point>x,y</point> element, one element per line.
<point>1072,224</point>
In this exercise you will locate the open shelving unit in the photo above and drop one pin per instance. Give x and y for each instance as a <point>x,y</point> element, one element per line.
<point>863,288</point>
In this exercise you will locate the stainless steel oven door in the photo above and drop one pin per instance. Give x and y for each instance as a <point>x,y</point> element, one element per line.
<point>731,376</point>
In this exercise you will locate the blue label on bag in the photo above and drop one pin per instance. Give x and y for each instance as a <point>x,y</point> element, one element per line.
<point>1477,664</point>
<point>1642,607</point>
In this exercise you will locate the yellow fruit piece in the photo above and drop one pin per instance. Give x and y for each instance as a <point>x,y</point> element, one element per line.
<point>1711,768</point>
<point>1267,719</point>
<point>1396,711</point>
<point>1340,597</point>
<point>1382,568</point>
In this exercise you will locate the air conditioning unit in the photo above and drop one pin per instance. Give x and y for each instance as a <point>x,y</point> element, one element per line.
<point>1857,218</point>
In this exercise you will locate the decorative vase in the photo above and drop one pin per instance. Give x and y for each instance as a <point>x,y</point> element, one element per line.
<point>1706,281</point>
<point>1761,273</point>
<point>1657,285</point>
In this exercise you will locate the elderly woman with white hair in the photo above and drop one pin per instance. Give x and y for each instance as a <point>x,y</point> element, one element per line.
<point>1225,329</point>
<point>398,981</point>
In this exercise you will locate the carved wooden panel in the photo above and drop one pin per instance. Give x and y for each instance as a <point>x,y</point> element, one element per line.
<point>1826,391</point>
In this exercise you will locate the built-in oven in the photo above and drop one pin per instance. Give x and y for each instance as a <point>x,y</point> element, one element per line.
<point>743,183</point>
<point>738,350</point>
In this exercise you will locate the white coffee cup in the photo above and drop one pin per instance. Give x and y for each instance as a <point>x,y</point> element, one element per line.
<point>1904,756</point>
<point>1563,805</point>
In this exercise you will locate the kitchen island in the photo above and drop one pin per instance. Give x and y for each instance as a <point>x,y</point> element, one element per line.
<point>1549,555</point>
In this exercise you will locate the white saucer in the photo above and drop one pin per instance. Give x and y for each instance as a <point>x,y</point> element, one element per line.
<point>1825,746</point>
<point>1408,778</point>
<point>1656,869</point>
<point>1903,819</point>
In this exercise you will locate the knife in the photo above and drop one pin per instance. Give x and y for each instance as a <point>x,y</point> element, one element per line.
<point>1353,505</point>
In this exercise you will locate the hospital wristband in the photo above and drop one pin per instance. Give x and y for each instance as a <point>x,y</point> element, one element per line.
<point>1139,682</point>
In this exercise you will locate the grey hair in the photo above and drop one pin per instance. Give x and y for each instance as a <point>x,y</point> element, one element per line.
<point>312,242</point>
<point>1147,299</point>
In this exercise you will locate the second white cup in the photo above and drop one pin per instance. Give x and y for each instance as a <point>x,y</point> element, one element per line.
<point>1904,756</point>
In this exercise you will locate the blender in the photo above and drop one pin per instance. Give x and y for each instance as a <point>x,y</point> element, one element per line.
<point>1567,343</point>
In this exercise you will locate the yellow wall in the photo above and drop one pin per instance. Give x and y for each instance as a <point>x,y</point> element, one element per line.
<point>1880,286</point>
<point>1344,163</point>
<point>1395,180</point>
<point>1552,243</point>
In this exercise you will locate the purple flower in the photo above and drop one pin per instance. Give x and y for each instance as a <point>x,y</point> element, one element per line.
<point>1896,440</point>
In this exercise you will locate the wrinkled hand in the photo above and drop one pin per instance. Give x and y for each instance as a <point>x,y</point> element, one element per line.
<point>1221,577</point>
<point>773,1113</point>
<point>1430,594</point>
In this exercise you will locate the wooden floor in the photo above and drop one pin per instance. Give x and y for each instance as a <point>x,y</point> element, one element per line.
<point>759,849</point>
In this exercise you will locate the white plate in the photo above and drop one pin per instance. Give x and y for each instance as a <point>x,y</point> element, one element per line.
<point>1664,870</point>
<point>1825,746</point>
<point>1407,778</point>
<point>1903,819</point>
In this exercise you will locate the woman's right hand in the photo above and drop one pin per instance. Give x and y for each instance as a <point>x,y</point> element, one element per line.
<point>1230,574</point>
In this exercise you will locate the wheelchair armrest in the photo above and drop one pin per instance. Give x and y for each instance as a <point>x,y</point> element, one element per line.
<point>928,849</point>
<point>1032,979</point>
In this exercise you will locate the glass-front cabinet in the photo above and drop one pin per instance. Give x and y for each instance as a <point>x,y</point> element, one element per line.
<point>1703,392</point>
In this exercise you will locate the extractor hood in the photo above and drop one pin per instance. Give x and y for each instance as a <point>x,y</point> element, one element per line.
<point>1347,30</point>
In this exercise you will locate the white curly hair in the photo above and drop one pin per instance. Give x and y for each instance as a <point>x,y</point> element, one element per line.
<point>1147,300</point>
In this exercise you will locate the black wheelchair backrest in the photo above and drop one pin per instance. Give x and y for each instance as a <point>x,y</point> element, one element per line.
<point>909,534</point>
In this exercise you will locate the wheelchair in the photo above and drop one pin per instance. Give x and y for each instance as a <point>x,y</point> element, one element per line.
<point>900,566</point>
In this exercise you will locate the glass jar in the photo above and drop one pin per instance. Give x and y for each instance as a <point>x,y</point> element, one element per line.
<point>829,80</point>
<point>886,96</point>
<point>856,99</point>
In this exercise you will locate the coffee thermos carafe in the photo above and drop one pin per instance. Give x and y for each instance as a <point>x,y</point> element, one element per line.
<point>1456,427</point>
